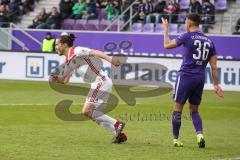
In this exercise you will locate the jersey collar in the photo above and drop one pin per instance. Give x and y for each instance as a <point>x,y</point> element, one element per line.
<point>70,55</point>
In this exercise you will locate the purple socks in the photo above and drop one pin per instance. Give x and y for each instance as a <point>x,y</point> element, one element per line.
<point>197,122</point>
<point>176,123</point>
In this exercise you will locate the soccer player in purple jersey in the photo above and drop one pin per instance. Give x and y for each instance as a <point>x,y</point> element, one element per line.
<point>198,51</point>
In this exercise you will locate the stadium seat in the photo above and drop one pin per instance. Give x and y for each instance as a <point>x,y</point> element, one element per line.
<point>182,29</point>
<point>68,24</point>
<point>173,28</point>
<point>221,5</point>
<point>106,22</point>
<point>136,27</point>
<point>102,27</point>
<point>158,28</point>
<point>200,27</point>
<point>114,27</point>
<point>92,25</point>
<point>81,21</point>
<point>184,4</point>
<point>93,21</point>
<point>103,24</point>
<point>182,17</point>
<point>148,27</point>
<point>79,25</point>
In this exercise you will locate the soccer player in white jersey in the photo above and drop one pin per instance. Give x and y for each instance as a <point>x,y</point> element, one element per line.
<point>101,86</point>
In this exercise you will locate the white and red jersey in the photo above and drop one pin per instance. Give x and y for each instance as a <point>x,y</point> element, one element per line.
<point>88,67</point>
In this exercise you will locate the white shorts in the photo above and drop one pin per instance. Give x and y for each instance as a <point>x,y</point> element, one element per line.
<point>99,92</point>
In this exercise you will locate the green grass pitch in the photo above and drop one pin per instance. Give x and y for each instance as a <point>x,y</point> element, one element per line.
<point>29,129</point>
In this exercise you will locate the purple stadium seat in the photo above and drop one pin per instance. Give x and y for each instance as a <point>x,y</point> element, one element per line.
<point>200,27</point>
<point>106,22</point>
<point>182,17</point>
<point>114,27</point>
<point>184,4</point>
<point>102,14</point>
<point>148,27</point>
<point>79,25</point>
<point>136,27</point>
<point>103,24</point>
<point>93,21</point>
<point>182,29</point>
<point>221,5</point>
<point>102,27</point>
<point>81,21</point>
<point>159,28</point>
<point>173,28</point>
<point>92,25</point>
<point>68,24</point>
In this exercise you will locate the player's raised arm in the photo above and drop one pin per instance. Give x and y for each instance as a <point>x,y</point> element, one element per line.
<point>213,63</point>
<point>168,43</point>
<point>104,56</point>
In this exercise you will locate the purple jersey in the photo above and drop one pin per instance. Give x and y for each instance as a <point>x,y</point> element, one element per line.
<point>198,49</point>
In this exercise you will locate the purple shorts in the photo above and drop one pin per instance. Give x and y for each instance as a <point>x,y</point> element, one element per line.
<point>189,87</point>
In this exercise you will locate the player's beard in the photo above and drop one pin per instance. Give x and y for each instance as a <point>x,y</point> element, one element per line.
<point>59,53</point>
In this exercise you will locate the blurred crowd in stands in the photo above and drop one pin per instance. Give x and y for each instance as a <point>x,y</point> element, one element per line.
<point>13,10</point>
<point>237,27</point>
<point>152,12</point>
<point>79,9</point>
<point>148,11</point>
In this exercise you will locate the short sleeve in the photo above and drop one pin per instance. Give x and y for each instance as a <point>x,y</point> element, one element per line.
<point>214,52</point>
<point>82,51</point>
<point>181,39</point>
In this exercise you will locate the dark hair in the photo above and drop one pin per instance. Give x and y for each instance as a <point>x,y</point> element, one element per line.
<point>67,39</point>
<point>195,18</point>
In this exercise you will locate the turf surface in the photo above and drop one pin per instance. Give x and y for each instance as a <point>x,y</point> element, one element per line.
<point>29,128</point>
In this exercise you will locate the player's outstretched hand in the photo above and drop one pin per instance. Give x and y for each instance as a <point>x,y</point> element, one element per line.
<point>218,90</point>
<point>53,78</point>
<point>165,24</point>
<point>116,62</point>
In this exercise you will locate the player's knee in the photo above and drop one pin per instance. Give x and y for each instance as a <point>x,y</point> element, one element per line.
<point>193,109</point>
<point>178,107</point>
